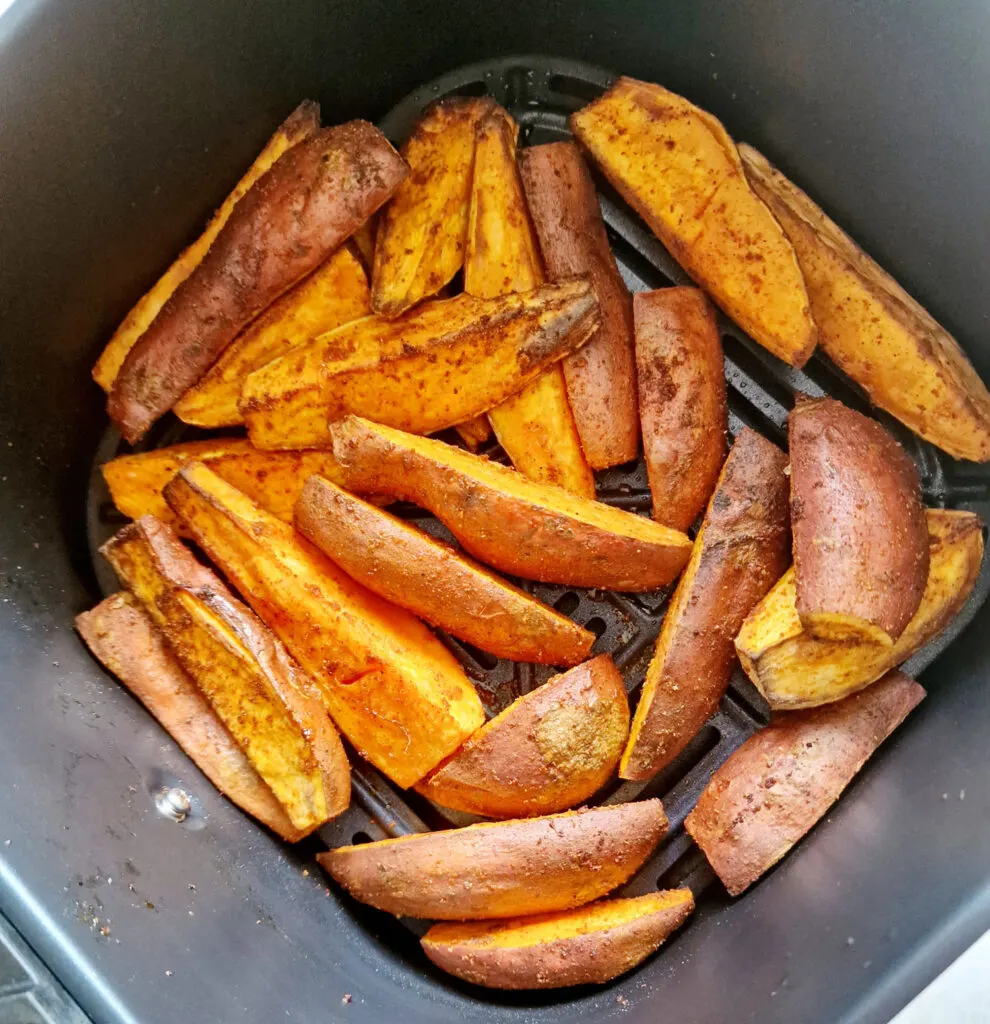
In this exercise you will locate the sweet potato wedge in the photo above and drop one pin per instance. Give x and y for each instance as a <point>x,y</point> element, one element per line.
<point>537,531</point>
<point>907,363</point>
<point>475,431</point>
<point>784,778</point>
<point>794,670</point>
<point>287,224</point>
<point>257,690</point>
<point>332,295</point>
<point>682,403</point>
<point>601,377</point>
<point>431,368</point>
<point>535,426</point>
<point>363,241</point>
<point>551,749</point>
<point>679,170</point>
<point>502,869</point>
<point>860,539</point>
<point>739,553</point>
<point>423,230</point>
<point>302,123</point>
<point>392,688</point>
<point>124,639</point>
<point>402,564</point>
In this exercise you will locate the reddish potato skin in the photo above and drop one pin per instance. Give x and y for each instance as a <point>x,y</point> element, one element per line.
<point>740,552</point>
<point>784,778</point>
<point>858,522</point>
<point>601,378</point>
<point>502,869</point>
<point>297,213</point>
<point>682,404</point>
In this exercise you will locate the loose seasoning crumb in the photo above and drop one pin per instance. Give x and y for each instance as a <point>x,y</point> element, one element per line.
<point>168,973</point>
<point>347,998</point>
<point>622,1001</point>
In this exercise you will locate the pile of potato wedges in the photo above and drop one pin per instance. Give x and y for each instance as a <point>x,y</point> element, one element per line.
<point>347,302</point>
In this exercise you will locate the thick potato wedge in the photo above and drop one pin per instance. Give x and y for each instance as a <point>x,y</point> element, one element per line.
<point>392,688</point>
<point>535,426</point>
<point>740,551</point>
<point>273,479</point>
<point>475,431</point>
<point>423,230</point>
<point>784,778</point>
<point>434,367</point>
<point>682,401</point>
<point>256,689</point>
<point>591,944</point>
<point>123,638</point>
<point>289,222</point>
<point>302,123</point>
<point>402,564</point>
<point>524,528</point>
<point>908,364</point>
<point>677,167</point>
<point>794,670</point>
<point>551,749</point>
<point>332,295</point>
<point>601,377</point>
<point>860,539</point>
<point>502,869</point>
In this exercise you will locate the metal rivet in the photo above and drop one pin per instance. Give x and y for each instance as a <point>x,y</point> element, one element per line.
<point>174,803</point>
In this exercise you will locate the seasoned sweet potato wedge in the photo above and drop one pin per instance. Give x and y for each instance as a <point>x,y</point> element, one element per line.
<point>302,123</point>
<point>551,749</point>
<point>740,551</point>
<point>363,241</point>
<point>288,223</point>
<point>535,426</point>
<point>784,778</point>
<point>422,231</point>
<point>601,377</point>
<point>682,401</point>
<point>908,364</point>
<point>124,639</point>
<point>333,294</point>
<point>392,688</point>
<point>591,944</point>
<point>502,869</point>
<point>537,531</point>
<point>430,579</point>
<point>794,670</point>
<point>677,167</point>
<point>475,431</point>
<point>429,369</point>
<point>254,686</point>
<point>860,539</point>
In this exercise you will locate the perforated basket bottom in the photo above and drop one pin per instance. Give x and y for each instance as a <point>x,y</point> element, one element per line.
<point>540,93</point>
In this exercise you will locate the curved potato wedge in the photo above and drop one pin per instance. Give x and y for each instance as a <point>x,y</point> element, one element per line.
<point>592,944</point>
<point>551,749</point>
<point>505,868</point>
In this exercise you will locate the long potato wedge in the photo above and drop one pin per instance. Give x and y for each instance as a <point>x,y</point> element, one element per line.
<point>429,369</point>
<point>535,426</point>
<point>740,551</point>
<point>601,377</point>
<point>537,531</point>
<point>423,230</point>
<point>784,778</point>
<point>392,688</point>
<point>122,636</point>
<point>254,686</point>
<point>907,363</point>
<point>289,222</point>
<point>677,167</point>
<point>794,670</point>
<point>682,401</point>
<point>302,123</point>
<point>860,539</point>
<point>550,750</point>
<point>402,564</point>
<point>332,295</point>
<point>591,944</point>
<point>502,869</point>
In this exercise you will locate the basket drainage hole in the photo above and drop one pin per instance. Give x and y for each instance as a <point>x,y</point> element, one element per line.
<point>567,603</point>
<point>360,838</point>
<point>597,625</point>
